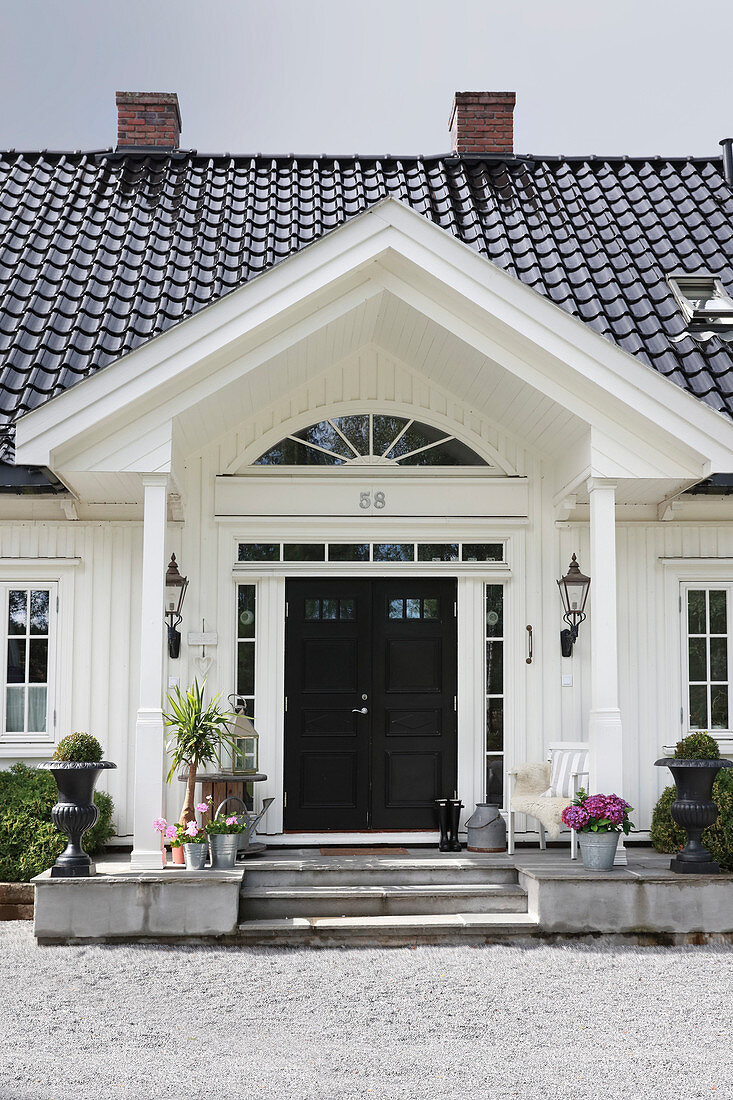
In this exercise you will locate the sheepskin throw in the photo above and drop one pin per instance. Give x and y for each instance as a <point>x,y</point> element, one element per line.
<point>529,797</point>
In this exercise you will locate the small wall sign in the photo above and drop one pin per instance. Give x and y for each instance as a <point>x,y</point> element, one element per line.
<point>203,637</point>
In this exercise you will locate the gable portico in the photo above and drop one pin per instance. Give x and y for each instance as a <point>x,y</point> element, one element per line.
<point>559,414</point>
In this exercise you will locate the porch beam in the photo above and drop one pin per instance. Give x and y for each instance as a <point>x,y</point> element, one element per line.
<point>605,732</point>
<point>149,727</point>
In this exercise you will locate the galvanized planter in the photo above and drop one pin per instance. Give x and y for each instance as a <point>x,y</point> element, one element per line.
<point>223,847</point>
<point>195,856</point>
<point>598,850</point>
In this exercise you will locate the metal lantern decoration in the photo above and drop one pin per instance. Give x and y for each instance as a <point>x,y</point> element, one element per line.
<point>245,752</point>
<point>574,588</point>
<point>175,593</point>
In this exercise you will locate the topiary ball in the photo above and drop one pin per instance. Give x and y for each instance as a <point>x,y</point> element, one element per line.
<point>79,748</point>
<point>697,746</point>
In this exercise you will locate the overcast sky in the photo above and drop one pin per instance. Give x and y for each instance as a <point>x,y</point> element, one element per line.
<point>591,76</point>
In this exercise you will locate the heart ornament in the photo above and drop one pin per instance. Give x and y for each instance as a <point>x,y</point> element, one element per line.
<point>203,664</point>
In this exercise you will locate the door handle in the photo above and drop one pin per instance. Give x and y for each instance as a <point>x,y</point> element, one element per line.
<point>361,710</point>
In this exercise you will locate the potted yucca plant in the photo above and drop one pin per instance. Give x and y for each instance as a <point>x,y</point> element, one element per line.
<point>198,731</point>
<point>694,766</point>
<point>76,766</point>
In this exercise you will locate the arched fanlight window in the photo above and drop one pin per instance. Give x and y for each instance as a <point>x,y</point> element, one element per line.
<point>370,439</point>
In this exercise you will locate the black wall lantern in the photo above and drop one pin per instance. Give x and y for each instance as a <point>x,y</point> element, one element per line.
<point>175,592</point>
<point>574,588</point>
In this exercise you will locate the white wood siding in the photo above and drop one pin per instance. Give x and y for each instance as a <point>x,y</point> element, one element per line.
<point>103,686</point>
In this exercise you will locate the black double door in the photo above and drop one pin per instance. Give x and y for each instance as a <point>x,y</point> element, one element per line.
<point>370,720</point>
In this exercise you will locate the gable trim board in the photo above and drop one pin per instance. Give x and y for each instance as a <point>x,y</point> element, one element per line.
<point>388,246</point>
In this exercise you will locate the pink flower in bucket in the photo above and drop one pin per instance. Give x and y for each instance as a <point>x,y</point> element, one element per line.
<point>202,807</point>
<point>192,829</point>
<point>232,821</point>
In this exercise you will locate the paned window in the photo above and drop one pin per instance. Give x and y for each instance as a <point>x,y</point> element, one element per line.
<point>706,638</point>
<point>246,634</point>
<point>250,552</point>
<point>410,607</point>
<point>29,614</point>
<point>369,439</point>
<point>495,694</point>
<point>343,609</point>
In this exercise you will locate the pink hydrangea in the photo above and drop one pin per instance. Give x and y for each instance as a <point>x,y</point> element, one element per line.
<point>575,817</point>
<point>616,808</point>
<point>232,821</point>
<point>171,832</point>
<point>596,806</point>
<point>202,807</point>
<point>192,829</point>
<point>159,824</point>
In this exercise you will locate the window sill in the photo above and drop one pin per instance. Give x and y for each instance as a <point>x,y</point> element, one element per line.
<point>24,750</point>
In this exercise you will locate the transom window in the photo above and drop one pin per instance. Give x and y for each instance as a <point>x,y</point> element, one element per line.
<point>466,552</point>
<point>29,616</point>
<point>368,439</point>
<point>706,635</point>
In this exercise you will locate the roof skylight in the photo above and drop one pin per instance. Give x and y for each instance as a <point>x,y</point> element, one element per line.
<point>703,299</point>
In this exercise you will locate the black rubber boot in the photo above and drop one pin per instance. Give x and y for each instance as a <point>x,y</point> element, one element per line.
<point>443,823</point>
<point>454,812</point>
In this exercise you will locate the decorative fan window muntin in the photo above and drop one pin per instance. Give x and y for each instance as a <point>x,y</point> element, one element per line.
<point>370,439</point>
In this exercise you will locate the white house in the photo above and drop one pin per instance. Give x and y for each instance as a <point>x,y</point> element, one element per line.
<point>373,404</point>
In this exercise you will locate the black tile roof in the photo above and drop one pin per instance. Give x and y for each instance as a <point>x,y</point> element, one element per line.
<point>101,251</point>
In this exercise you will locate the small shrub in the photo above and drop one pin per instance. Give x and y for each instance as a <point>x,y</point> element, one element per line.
<point>81,748</point>
<point>697,746</point>
<point>667,836</point>
<point>29,841</point>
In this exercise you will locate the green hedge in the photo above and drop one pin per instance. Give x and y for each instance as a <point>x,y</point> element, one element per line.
<point>666,836</point>
<point>29,842</point>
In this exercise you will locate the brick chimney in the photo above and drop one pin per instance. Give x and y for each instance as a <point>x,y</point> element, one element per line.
<point>483,123</point>
<point>148,120</point>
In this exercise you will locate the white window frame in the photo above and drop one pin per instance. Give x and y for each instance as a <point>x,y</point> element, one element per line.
<point>501,753</point>
<point>29,737</point>
<point>680,572</point>
<point>56,573</point>
<point>707,586</point>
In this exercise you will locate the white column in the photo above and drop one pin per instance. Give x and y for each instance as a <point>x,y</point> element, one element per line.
<point>604,727</point>
<point>149,727</point>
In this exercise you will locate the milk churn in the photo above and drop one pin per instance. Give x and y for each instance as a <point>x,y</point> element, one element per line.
<point>486,829</point>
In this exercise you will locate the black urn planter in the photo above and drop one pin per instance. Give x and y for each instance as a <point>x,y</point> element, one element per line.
<point>694,810</point>
<point>74,812</point>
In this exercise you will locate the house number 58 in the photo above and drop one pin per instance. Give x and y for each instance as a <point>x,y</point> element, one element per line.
<point>365,500</point>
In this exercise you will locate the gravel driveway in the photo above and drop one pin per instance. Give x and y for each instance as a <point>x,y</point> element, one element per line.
<point>540,1022</point>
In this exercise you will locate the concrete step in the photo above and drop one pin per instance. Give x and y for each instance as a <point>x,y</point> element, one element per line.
<point>392,931</point>
<point>363,871</point>
<point>261,903</point>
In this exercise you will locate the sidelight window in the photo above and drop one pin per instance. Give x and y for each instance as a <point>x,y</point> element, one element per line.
<point>246,635</point>
<point>494,636</point>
